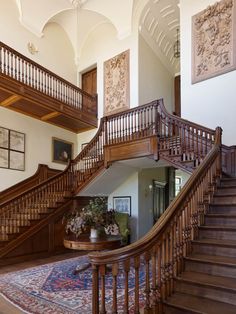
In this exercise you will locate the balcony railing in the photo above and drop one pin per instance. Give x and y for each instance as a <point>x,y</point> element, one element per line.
<point>17,66</point>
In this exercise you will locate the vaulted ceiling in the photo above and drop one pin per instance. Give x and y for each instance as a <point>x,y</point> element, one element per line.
<point>157,21</point>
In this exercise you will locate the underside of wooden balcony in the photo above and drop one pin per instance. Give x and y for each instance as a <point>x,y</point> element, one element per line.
<point>19,97</point>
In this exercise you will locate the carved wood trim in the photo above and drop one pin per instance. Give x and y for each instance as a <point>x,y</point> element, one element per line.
<point>128,150</point>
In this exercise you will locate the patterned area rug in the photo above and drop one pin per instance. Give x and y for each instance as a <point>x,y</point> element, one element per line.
<point>55,289</point>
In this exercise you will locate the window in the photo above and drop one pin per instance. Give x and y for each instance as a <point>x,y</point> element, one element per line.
<point>178,184</point>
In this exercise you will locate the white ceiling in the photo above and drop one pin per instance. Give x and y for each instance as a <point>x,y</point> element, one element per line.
<point>158,21</point>
<point>158,25</point>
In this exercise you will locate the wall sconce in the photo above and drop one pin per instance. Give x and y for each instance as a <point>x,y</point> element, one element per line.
<point>148,190</point>
<point>31,48</point>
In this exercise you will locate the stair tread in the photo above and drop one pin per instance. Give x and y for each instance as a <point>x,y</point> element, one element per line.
<point>228,215</point>
<point>200,304</point>
<point>205,279</point>
<point>218,227</point>
<point>223,205</point>
<point>226,195</point>
<point>217,259</point>
<point>218,242</point>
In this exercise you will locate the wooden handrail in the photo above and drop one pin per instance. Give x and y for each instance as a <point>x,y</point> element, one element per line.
<point>30,73</point>
<point>42,173</point>
<point>162,250</point>
<point>136,123</point>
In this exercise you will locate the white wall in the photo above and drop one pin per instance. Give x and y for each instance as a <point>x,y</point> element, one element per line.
<point>155,81</point>
<point>38,144</point>
<point>55,50</point>
<point>103,44</point>
<point>145,178</point>
<point>129,188</point>
<point>210,102</point>
<point>136,186</point>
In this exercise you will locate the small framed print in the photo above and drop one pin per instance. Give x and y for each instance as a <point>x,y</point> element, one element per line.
<point>122,204</point>
<point>62,151</point>
<point>4,137</point>
<point>12,149</point>
<point>17,141</point>
<point>17,160</point>
<point>4,158</point>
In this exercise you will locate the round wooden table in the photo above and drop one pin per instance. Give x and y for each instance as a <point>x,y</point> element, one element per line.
<point>84,242</point>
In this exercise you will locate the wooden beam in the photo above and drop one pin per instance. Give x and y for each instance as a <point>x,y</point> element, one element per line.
<point>50,116</point>
<point>10,100</point>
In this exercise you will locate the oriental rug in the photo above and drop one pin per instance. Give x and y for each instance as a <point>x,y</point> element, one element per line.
<point>55,289</point>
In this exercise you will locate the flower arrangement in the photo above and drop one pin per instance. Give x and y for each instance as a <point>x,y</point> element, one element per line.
<point>95,215</point>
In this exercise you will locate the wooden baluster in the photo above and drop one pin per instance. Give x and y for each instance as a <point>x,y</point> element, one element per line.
<point>163,277</point>
<point>154,285</point>
<point>115,269</point>
<point>136,297</point>
<point>126,286</point>
<point>95,290</point>
<point>167,264</point>
<point>102,270</point>
<point>7,63</point>
<point>147,283</point>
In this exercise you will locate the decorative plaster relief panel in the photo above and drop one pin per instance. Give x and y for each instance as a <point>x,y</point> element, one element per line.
<point>116,83</point>
<point>213,39</point>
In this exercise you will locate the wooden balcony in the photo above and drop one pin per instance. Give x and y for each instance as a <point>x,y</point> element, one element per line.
<point>29,88</point>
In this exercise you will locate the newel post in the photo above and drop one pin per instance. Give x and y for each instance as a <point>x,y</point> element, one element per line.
<point>95,290</point>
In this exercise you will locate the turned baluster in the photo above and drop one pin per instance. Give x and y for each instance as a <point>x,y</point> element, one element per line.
<point>115,269</point>
<point>163,273</point>
<point>147,283</point>
<point>95,290</point>
<point>102,270</point>
<point>126,286</point>
<point>154,285</point>
<point>136,294</point>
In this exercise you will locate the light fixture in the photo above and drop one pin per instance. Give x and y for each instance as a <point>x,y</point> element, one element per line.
<point>177,45</point>
<point>32,49</point>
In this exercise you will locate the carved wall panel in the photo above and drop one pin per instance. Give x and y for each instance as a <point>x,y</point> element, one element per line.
<point>213,37</point>
<point>116,83</point>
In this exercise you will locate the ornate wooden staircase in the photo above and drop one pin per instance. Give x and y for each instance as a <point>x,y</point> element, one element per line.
<point>194,235</point>
<point>208,282</point>
<point>143,131</point>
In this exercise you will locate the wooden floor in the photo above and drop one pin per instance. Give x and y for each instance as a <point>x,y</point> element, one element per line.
<point>5,306</point>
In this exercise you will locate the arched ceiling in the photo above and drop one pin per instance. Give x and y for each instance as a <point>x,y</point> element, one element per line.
<point>158,25</point>
<point>157,21</point>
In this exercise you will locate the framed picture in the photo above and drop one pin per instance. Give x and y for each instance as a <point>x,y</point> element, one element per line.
<point>12,149</point>
<point>122,204</point>
<point>62,151</point>
<point>4,137</point>
<point>17,141</point>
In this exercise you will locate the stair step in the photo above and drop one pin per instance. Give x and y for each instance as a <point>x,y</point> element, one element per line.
<point>211,264</point>
<point>228,182</point>
<point>180,303</point>
<point>215,247</point>
<point>224,199</point>
<point>222,208</point>
<point>217,232</point>
<point>221,219</point>
<point>218,288</point>
<point>226,190</point>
